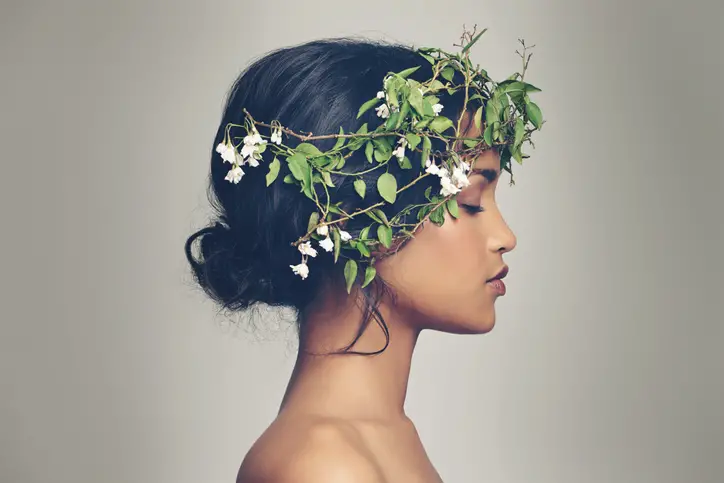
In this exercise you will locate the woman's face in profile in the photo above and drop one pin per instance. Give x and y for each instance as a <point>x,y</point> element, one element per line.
<point>440,276</point>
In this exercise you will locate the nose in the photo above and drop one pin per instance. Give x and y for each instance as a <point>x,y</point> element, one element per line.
<point>502,239</point>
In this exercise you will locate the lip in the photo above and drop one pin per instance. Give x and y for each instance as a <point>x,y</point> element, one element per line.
<point>501,274</point>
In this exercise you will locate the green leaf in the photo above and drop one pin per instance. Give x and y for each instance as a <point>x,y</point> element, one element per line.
<point>370,273</point>
<point>452,207</point>
<point>367,106</point>
<point>404,111</point>
<point>340,141</point>
<point>426,147</point>
<point>362,249</point>
<point>519,131</point>
<point>429,58</point>
<point>392,120</point>
<point>350,274</point>
<point>289,179</point>
<point>448,73</point>
<point>273,171</point>
<point>422,124</point>
<point>382,216</point>
<point>360,187</point>
<point>413,140</point>
<point>384,235</point>
<point>337,242</point>
<point>415,101</point>
<point>423,212</point>
<point>387,187</point>
<point>427,108</point>
<point>478,117</point>
<point>373,216</point>
<point>369,149</point>
<point>488,135</point>
<point>438,216</point>
<point>327,179</point>
<point>534,114</point>
<point>298,165</point>
<point>435,85</point>
<point>427,193</point>
<point>381,156</point>
<point>404,162</point>
<point>472,42</point>
<point>406,73</point>
<point>309,149</point>
<point>313,221</point>
<point>491,112</point>
<point>365,231</point>
<point>470,143</point>
<point>440,124</point>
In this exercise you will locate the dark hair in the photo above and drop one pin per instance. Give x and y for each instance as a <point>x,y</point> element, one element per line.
<point>313,87</point>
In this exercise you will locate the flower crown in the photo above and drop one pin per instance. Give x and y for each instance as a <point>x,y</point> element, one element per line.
<point>412,116</point>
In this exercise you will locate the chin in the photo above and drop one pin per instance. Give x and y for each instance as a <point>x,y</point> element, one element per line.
<point>473,325</point>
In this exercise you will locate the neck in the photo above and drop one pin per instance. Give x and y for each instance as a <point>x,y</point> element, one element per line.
<point>351,386</point>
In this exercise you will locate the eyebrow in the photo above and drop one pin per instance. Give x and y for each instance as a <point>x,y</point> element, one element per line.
<point>489,174</point>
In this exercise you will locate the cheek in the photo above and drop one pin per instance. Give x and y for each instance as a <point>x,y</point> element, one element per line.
<point>440,262</point>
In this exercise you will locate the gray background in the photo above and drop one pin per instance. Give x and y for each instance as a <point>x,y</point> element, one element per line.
<point>605,364</point>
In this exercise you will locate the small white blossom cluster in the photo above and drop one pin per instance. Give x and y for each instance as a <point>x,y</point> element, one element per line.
<point>383,110</point>
<point>250,153</point>
<point>450,185</point>
<point>306,249</point>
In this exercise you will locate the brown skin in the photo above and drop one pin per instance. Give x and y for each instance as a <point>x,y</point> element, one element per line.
<point>342,418</point>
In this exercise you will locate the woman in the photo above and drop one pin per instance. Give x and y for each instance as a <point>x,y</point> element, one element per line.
<point>342,418</point>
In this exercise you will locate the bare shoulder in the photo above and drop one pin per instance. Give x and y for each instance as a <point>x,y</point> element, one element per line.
<point>302,450</point>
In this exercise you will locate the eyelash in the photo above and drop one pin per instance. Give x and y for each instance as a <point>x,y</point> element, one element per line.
<point>473,209</point>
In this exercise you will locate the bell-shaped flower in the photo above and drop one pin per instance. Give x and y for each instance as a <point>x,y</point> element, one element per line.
<point>437,108</point>
<point>460,178</point>
<point>323,230</point>
<point>448,188</point>
<point>276,136</point>
<point>327,244</point>
<point>302,270</point>
<point>306,249</point>
<point>344,236</point>
<point>383,111</point>
<point>234,175</point>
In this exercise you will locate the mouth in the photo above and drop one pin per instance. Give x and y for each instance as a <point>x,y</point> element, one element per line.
<point>501,274</point>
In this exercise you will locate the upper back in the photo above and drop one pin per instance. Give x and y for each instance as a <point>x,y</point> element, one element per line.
<point>310,449</point>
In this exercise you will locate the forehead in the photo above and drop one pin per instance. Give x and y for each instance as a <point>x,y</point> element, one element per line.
<point>488,159</point>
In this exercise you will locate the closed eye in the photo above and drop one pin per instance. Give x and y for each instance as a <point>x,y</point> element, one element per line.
<point>473,209</point>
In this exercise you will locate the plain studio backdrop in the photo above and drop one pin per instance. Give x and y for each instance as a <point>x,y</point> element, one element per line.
<point>605,364</point>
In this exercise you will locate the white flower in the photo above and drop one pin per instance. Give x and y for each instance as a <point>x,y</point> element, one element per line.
<point>400,150</point>
<point>465,165</point>
<point>221,148</point>
<point>306,249</point>
<point>380,94</point>
<point>437,108</point>
<point>251,141</point>
<point>448,188</point>
<point>302,270</point>
<point>248,150</point>
<point>276,136</point>
<point>228,153</point>
<point>432,168</point>
<point>234,175</point>
<point>323,230</point>
<point>460,178</point>
<point>344,235</point>
<point>252,162</point>
<point>254,138</point>
<point>327,244</point>
<point>383,111</point>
